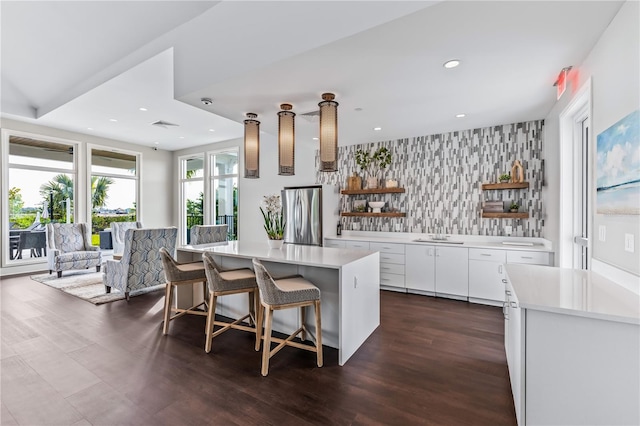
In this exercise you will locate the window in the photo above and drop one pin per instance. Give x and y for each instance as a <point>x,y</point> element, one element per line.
<point>41,176</point>
<point>114,189</point>
<point>224,187</point>
<point>191,194</point>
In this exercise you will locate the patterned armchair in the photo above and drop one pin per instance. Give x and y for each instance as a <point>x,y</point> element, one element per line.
<point>141,264</point>
<point>205,234</point>
<point>118,230</point>
<point>69,247</point>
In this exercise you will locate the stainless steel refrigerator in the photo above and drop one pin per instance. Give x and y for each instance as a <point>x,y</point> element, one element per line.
<point>302,207</point>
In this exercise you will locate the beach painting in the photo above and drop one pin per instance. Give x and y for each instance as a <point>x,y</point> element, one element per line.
<point>618,168</point>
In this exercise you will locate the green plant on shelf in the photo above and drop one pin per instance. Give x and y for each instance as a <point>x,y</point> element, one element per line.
<point>514,207</point>
<point>504,178</point>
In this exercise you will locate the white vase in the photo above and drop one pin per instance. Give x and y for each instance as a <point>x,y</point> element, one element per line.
<point>372,182</point>
<point>275,244</point>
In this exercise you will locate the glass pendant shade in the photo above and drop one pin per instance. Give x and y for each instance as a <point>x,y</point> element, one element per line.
<point>286,141</point>
<point>251,147</point>
<point>328,133</point>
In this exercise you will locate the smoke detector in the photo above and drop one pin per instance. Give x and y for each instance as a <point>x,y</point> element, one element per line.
<point>162,123</point>
<point>206,101</point>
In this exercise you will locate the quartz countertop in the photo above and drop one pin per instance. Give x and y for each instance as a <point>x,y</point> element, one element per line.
<point>573,292</point>
<point>325,257</point>
<point>469,241</point>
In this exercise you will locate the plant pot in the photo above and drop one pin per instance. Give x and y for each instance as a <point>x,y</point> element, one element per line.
<point>504,181</point>
<point>513,210</point>
<point>275,244</point>
<point>372,182</point>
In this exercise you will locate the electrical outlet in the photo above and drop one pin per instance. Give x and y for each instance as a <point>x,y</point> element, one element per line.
<point>508,229</point>
<point>628,243</point>
<point>602,233</point>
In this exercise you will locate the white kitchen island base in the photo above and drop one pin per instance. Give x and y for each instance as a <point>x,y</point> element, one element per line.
<point>348,280</point>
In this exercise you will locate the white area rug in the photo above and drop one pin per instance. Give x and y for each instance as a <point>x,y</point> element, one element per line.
<point>87,285</point>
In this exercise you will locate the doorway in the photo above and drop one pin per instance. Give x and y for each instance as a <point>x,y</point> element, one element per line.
<point>575,177</point>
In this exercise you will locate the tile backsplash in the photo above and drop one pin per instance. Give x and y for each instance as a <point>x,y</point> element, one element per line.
<point>442,176</point>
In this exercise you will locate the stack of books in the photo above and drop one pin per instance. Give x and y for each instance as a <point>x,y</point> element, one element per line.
<point>493,206</point>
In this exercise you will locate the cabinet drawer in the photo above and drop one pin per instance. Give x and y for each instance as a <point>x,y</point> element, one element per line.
<point>360,245</point>
<point>533,257</point>
<point>392,258</point>
<point>391,268</point>
<point>489,255</point>
<point>334,243</point>
<point>387,247</point>
<point>394,280</point>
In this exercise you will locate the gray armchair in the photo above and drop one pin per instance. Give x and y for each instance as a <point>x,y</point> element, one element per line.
<point>69,247</point>
<point>205,234</point>
<point>141,264</point>
<point>118,230</point>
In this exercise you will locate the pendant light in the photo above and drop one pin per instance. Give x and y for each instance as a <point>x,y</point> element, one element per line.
<point>286,141</point>
<point>328,133</point>
<point>251,146</point>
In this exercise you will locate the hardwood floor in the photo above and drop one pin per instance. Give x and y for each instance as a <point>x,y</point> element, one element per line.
<point>65,361</point>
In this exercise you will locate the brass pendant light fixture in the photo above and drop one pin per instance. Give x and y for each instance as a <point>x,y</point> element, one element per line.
<point>251,146</point>
<point>286,141</point>
<point>328,133</point>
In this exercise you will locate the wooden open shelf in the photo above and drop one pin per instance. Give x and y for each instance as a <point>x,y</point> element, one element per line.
<point>372,191</point>
<point>505,215</point>
<point>508,185</point>
<point>365,214</point>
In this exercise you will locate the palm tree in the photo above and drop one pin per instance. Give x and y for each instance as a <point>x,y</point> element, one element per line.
<point>59,188</point>
<point>99,189</point>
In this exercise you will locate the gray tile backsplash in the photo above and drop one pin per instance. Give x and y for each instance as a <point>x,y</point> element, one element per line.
<point>442,176</point>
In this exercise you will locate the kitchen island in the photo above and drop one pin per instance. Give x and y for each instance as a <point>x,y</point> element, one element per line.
<point>348,281</point>
<point>572,340</point>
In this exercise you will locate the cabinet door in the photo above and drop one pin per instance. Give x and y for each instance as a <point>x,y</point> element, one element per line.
<point>452,271</point>
<point>485,280</point>
<point>333,243</point>
<point>358,245</point>
<point>420,268</point>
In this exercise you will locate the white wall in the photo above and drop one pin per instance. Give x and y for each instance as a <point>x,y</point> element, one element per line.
<point>251,191</point>
<point>613,66</point>
<point>156,173</point>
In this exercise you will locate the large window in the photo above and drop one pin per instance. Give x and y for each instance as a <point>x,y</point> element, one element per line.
<point>192,194</point>
<point>40,189</point>
<point>224,187</point>
<point>114,189</point>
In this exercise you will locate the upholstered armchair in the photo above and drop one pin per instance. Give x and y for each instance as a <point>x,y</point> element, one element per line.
<point>69,247</point>
<point>141,264</point>
<point>118,230</point>
<point>205,234</point>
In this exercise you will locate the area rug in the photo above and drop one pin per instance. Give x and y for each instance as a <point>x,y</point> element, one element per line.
<point>87,285</point>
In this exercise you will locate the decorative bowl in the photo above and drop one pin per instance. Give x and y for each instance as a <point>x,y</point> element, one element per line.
<point>376,206</point>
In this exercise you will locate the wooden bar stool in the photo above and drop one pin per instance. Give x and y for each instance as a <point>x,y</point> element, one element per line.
<point>224,282</point>
<point>181,274</point>
<point>290,292</point>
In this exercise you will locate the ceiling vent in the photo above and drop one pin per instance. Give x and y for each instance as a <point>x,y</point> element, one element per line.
<point>311,116</point>
<point>163,124</point>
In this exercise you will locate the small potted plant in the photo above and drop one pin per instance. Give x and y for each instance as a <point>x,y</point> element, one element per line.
<point>513,208</point>
<point>381,159</point>
<point>504,178</point>
<point>274,222</point>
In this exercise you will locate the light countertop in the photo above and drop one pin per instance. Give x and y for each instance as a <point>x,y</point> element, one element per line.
<point>468,241</point>
<point>573,292</point>
<point>324,257</point>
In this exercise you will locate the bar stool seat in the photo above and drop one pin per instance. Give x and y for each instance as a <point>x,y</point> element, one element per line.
<point>225,282</point>
<point>285,293</point>
<point>180,274</point>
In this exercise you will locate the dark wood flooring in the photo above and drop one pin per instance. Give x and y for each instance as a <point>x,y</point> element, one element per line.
<point>65,361</point>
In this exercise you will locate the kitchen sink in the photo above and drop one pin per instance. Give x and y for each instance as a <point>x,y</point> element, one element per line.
<point>429,240</point>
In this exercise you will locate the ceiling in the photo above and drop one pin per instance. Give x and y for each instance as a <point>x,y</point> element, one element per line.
<point>80,65</point>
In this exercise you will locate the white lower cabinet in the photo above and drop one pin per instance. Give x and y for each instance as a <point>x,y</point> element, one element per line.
<point>486,276</point>
<point>392,265</point>
<point>514,348</point>
<point>443,271</point>
<point>334,243</point>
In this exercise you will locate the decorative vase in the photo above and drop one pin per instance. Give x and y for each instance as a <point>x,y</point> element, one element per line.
<point>275,244</point>
<point>517,172</point>
<point>391,183</point>
<point>513,210</point>
<point>372,182</point>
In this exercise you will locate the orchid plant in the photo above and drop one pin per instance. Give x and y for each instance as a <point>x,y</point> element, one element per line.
<point>274,222</point>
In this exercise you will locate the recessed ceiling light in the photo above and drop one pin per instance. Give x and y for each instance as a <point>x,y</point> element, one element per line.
<point>181,137</point>
<point>113,120</point>
<point>461,115</point>
<point>452,63</point>
<point>315,139</point>
<point>143,109</point>
<point>157,143</point>
<point>357,109</point>
<point>377,128</point>
<point>89,128</point>
<point>212,130</point>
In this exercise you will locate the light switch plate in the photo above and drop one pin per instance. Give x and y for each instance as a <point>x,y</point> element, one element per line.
<point>628,243</point>
<point>602,233</point>
<point>508,229</point>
